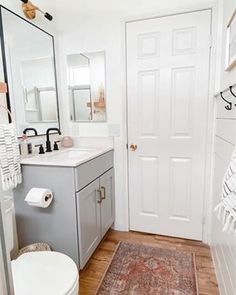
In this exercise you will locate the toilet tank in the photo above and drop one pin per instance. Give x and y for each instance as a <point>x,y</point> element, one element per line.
<point>8,209</point>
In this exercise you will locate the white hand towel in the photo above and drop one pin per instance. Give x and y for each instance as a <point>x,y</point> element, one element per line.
<point>10,169</point>
<point>227,207</point>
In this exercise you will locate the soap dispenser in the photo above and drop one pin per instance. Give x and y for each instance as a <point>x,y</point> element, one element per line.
<point>24,146</point>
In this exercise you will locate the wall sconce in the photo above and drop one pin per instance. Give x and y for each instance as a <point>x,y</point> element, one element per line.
<point>3,87</point>
<point>30,9</point>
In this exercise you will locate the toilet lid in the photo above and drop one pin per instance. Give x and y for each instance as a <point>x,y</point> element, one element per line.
<point>48,273</point>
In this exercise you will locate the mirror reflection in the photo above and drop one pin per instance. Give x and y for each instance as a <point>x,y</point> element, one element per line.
<point>86,85</point>
<point>3,99</point>
<point>31,74</point>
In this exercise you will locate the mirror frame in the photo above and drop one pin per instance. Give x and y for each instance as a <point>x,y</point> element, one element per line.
<point>4,62</point>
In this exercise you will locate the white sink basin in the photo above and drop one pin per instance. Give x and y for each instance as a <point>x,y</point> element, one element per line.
<point>71,154</point>
<point>70,157</point>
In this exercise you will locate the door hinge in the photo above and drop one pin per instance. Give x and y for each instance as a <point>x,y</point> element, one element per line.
<point>127,146</point>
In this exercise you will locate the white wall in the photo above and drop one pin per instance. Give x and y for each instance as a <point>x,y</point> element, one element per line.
<point>224,245</point>
<point>97,25</point>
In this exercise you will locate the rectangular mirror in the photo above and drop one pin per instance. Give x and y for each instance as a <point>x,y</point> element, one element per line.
<point>29,66</point>
<point>86,86</point>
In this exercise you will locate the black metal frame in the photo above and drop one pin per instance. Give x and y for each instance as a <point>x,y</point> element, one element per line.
<point>231,91</point>
<point>230,105</point>
<point>4,61</point>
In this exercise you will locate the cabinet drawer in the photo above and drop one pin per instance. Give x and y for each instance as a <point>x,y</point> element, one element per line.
<point>92,169</point>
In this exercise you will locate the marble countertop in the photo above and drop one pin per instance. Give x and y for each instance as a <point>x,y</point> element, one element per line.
<point>66,157</point>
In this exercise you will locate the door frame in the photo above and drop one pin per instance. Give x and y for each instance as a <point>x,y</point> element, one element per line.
<point>214,78</point>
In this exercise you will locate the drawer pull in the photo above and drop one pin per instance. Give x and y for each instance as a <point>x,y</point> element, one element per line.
<point>104,192</point>
<point>100,196</point>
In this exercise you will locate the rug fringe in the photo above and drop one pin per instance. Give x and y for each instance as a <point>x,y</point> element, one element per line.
<point>195,271</point>
<point>117,247</point>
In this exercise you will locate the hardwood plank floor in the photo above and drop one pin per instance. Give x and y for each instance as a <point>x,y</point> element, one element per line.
<point>93,272</point>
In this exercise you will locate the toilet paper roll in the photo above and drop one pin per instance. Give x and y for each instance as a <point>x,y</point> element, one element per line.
<point>39,197</point>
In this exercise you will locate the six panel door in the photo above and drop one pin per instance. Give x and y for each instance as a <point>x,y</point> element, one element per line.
<point>167,89</point>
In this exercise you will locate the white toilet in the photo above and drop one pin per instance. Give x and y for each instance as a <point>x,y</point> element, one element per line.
<point>47,272</point>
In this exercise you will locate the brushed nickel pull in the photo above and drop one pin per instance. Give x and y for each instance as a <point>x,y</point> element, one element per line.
<point>104,192</point>
<point>133,147</point>
<point>100,196</point>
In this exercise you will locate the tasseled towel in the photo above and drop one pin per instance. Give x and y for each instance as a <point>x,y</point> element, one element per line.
<point>227,207</point>
<point>10,169</point>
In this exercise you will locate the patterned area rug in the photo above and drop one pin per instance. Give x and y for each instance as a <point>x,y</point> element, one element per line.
<point>144,270</point>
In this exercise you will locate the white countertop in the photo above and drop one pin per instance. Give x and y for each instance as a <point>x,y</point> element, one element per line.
<point>66,157</point>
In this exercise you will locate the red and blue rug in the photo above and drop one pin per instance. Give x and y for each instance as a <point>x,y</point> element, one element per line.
<point>138,269</point>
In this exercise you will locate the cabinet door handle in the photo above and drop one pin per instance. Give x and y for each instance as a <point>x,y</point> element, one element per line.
<point>100,196</point>
<point>104,192</point>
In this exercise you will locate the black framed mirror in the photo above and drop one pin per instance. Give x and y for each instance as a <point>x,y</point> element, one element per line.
<point>28,57</point>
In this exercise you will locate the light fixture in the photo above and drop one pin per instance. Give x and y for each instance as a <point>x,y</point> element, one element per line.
<point>30,9</point>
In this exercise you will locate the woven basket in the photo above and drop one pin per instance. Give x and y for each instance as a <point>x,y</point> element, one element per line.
<point>33,248</point>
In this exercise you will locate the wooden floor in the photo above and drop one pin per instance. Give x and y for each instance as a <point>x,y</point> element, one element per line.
<point>93,272</point>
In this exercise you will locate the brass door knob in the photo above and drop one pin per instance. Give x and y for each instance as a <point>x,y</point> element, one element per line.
<point>133,147</point>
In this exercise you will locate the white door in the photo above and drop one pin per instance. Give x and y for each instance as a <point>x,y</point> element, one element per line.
<point>167,85</point>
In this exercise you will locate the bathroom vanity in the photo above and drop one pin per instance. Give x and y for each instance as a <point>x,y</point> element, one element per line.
<point>82,210</point>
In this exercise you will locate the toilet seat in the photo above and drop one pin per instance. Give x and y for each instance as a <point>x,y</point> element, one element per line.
<point>47,273</point>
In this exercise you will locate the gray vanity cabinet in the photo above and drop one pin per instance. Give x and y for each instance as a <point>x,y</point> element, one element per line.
<point>95,205</point>
<point>81,212</point>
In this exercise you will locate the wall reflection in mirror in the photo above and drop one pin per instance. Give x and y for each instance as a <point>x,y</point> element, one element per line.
<point>3,100</point>
<point>29,54</point>
<point>86,86</point>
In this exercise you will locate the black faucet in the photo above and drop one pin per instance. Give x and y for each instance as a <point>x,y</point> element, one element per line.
<point>48,143</point>
<point>30,129</point>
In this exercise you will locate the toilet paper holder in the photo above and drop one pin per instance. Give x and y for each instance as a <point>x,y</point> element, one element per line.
<point>48,197</point>
<point>39,197</point>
